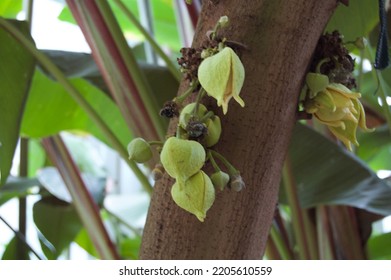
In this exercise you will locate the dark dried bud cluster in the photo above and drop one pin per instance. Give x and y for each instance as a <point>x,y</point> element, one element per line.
<point>169,110</point>
<point>340,64</point>
<point>189,62</point>
<point>196,130</point>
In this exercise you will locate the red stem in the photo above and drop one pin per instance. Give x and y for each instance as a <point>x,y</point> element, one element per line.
<point>134,109</point>
<point>84,204</point>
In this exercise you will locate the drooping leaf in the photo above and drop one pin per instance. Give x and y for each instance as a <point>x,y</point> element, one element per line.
<point>16,68</point>
<point>58,222</point>
<point>11,252</point>
<point>356,20</point>
<point>10,8</point>
<point>379,247</point>
<point>17,187</point>
<point>50,110</point>
<point>328,174</point>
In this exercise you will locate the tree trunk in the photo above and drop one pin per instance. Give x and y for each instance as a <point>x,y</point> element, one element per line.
<point>280,36</point>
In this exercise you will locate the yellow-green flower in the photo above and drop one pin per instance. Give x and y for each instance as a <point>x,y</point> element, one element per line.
<point>197,195</point>
<point>222,76</point>
<point>341,110</point>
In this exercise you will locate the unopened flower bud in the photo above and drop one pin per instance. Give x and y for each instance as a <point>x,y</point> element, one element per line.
<point>220,179</point>
<point>237,183</point>
<point>223,21</point>
<point>139,150</point>
<point>316,82</point>
<point>157,172</point>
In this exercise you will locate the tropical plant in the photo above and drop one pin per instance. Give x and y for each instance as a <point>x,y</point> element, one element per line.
<point>328,197</point>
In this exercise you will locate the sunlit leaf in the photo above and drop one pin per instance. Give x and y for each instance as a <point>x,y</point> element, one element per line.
<point>84,241</point>
<point>10,8</point>
<point>16,68</point>
<point>379,247</point>
<point>50,110</point>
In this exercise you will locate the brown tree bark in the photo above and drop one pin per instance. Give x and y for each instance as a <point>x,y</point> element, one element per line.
<point>281,37</point>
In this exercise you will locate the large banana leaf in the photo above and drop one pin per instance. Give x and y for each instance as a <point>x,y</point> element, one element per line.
<point>328,174</point>
<point>16,68</point>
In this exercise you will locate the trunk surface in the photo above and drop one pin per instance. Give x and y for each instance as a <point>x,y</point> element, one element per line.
<point>281,37</point>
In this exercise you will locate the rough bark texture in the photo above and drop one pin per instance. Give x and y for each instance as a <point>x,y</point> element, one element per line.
<point>281,37</point>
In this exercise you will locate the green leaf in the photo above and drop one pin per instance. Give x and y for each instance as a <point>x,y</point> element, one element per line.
<point>41,120</point>
<point>81,65</point>
<point>17,187</point>
<point>11,252</point>
<point>58,222</point>
<point>356,20</point>
<point>16,68</point>
<point>379,247</point>
<point>130,247</point>
<point>328,174</point>
<point>84,241</point>
<point>36,157</point>
<point>10,8</point>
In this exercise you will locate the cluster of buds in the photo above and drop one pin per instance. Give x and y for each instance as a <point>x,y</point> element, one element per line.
<point>329,97</point>
<point>216,71</point>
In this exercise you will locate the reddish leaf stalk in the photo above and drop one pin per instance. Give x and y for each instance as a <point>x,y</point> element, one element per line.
<point>194,10</point>
<point>111,63</point>
<point>84,204</point>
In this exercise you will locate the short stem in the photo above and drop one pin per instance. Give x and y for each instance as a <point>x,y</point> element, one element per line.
<point>207,116</point>
<point>179,132</point>
<point>200,95</point>
<point>213,162</point>
<point>319,65</point>
<point>231,169</point>
<point>156,143</point>
<point>186,94</point>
